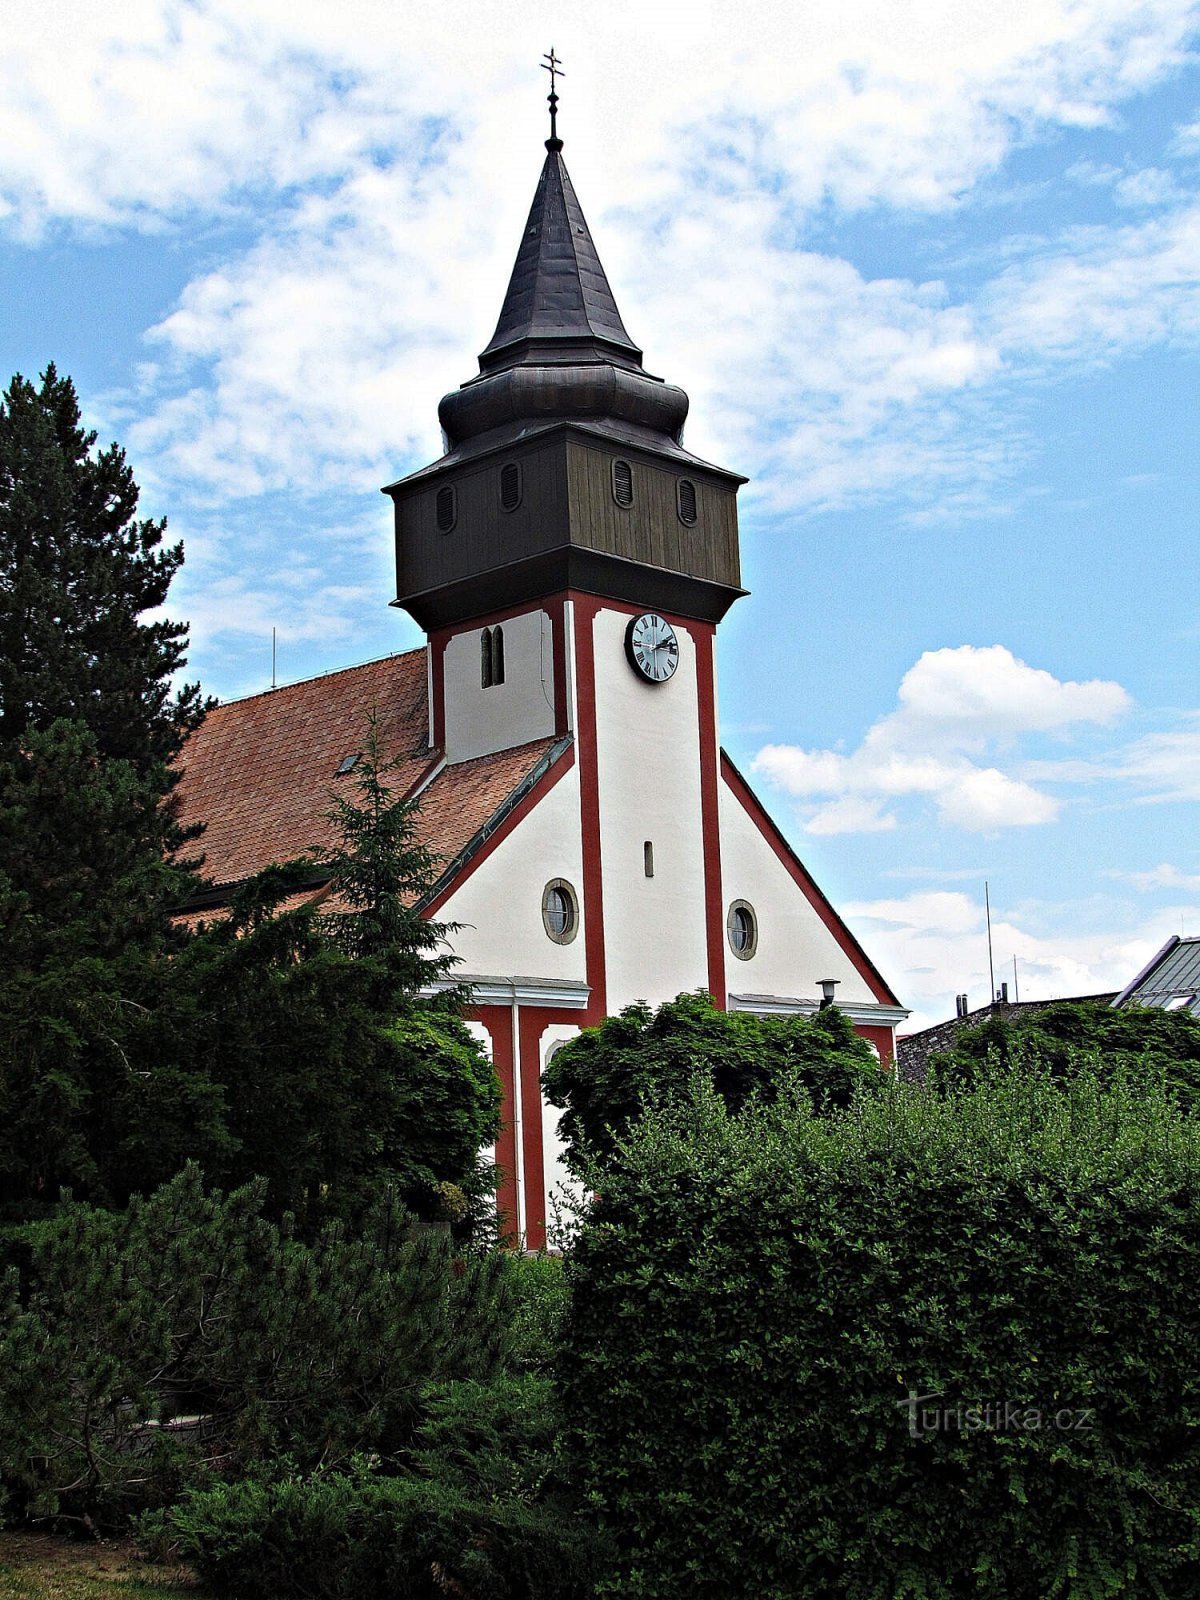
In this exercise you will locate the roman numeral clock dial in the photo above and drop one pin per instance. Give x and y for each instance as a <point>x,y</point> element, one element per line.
<point>652,647</point>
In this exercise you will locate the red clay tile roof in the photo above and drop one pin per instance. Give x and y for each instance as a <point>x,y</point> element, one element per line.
<point>260,772</point>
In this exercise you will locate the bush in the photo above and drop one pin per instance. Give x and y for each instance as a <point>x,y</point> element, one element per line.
<point>604,1079</point>
<point>756,1300</point>
<point>1070,1035</point>
<point>482,1515</point>
<point>193,1304</point>
<point>540,1297</point>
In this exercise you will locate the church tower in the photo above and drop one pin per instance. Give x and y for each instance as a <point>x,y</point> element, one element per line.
<point>570,562</point>
<point>564,466</point>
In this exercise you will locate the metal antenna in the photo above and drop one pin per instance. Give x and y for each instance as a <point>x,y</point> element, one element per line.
<point>553,66</point>
<point>987,904</point>
<point>272,658</point>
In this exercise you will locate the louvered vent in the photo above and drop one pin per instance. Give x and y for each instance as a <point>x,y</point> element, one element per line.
<point>622,474</point>
<point>510,486</point>
<point>447,508</point>
<point>686,493</point>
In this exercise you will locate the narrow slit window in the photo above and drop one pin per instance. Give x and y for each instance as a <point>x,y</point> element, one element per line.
<point>648,857</point>
<point>447,508</point>
<point>497,655</point>
<point>510,486</point>
<point>485,659</point>
<point>622,481</point>
<point>686,496</point>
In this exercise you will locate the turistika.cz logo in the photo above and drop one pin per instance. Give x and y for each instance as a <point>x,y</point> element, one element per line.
<point>926,1415</point>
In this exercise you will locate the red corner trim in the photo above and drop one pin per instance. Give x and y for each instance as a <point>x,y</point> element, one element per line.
<point>710,824</point>
<point>586,607</point>
<point>498,1022</point>
<point>800,875</point>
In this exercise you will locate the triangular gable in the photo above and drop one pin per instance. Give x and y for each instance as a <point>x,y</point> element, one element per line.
<point>804,881</point>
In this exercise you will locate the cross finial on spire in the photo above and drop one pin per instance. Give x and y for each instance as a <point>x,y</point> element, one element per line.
<point>552,65</point>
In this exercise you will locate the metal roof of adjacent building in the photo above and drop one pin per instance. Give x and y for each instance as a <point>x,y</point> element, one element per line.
<point>1170,981</point>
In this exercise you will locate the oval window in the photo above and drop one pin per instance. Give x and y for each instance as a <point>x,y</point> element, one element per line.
<point>510,486</point>
<point>742,928</point>
<point>622,483</point>
<point>685,492</point>
<point>560,911</point>
<point>447,508</point>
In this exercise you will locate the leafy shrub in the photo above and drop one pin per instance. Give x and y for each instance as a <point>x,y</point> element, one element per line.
<point>1072,1034</point>
<point>604,1079</point>
<point>756,1300</point>
<point>540,1296</point>
<point>193,1304</point>
<point>483,1515</point>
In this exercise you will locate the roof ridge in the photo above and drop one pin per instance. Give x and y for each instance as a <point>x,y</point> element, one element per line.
<point>315,677</point>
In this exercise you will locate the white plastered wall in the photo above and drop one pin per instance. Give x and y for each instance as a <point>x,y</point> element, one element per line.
<point>562,1190</point>
<point>500,904</point>
<point>648,760</point>
<point>795,948</point>
<point>480,721</point>
<point>479,1032</point>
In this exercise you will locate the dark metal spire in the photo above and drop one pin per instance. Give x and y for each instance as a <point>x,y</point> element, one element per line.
<point>558,306</point>
<point>560,348</point>
<point>553,66</point>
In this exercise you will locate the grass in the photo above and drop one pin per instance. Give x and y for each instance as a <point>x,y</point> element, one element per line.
<point>36,1566</point>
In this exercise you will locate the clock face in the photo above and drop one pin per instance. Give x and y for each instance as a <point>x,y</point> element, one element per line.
<point>652,647</point>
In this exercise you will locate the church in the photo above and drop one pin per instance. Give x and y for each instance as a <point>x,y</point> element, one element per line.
<point>569,562</point>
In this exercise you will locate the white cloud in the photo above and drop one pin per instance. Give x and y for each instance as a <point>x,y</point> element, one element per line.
<point>1160,766</point>
<point>1163,876</point>
<point>934,946</point>
<point>130,113</point>
<point>342,136</point>
<point>954,704</point>
<point>1100,291</point>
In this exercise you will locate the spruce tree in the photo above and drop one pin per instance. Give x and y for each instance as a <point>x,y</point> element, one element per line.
<point>89,724</point>
<point>78,572</point>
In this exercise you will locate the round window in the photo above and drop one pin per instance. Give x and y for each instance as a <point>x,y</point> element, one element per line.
<point>560,911</point>
<point>742,928</point>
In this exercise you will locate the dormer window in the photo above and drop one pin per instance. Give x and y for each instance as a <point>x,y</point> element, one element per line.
<point>622,483</point>
<point>510,485</point>
<point>685,499</point>
<point>447,508</point>
<point>491,657</point>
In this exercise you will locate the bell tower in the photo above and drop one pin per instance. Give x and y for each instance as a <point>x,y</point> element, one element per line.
<point>570,560</point>
<point>564,468</point>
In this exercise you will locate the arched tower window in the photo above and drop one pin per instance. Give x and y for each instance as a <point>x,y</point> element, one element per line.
<point>447,508</point>
<point>510,485</point>
<point>622,483</point>
<point>686,500</point>
<point>491,657</point>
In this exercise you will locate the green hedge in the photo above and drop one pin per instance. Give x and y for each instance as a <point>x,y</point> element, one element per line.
<point>756,1298</point>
